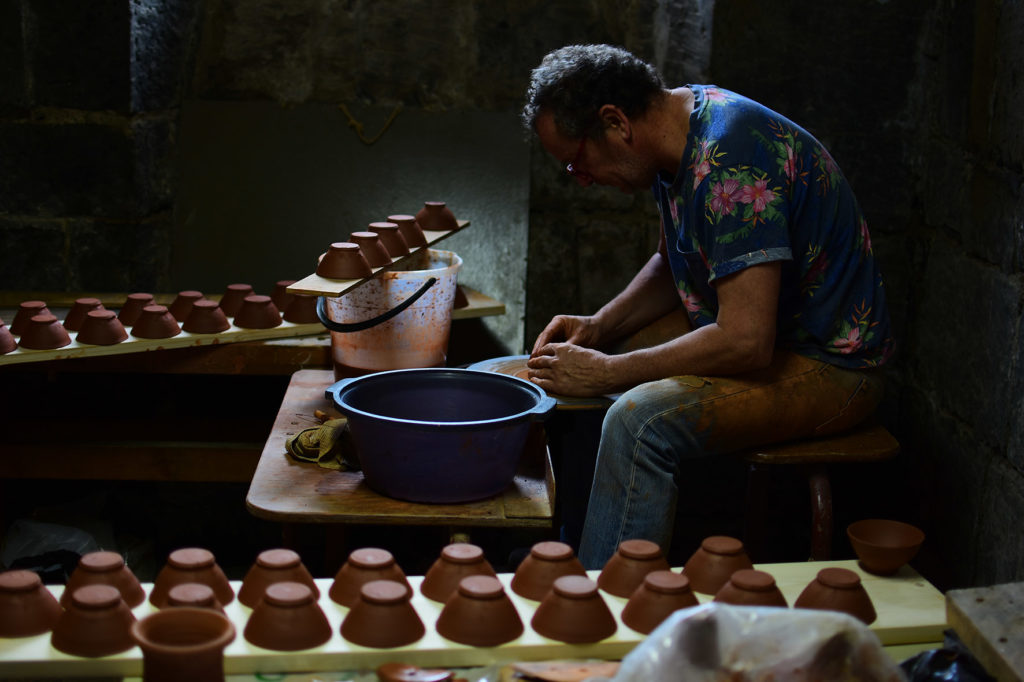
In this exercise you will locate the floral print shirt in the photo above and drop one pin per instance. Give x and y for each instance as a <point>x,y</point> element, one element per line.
<point>753,187</point>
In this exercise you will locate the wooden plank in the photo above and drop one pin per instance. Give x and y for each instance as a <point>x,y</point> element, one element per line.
<point>990,621</point>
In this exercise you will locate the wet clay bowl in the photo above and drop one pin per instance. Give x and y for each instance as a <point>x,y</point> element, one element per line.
<point>884,546</point>
<point>838,589</point>
<point>391,237</point>
<point>661,594</point>
<point>372,248</point>
<point>96,623</point>
<point>301,310</point>
<point>193,595</point>
<point>287,618</point>
<point>27,608</point>
<point>183,644</point>
<point>457,561</point>
<point>182,304</point>
<point>206,317</point>
<point>364,565</point>
<point>410,229</point>
<point>280,294</point>
<point>435,215</point>
<point>155,322</point>
<point>105,568</point>
<point>750,587</point>
<point>574,612</point>
<point>190,565</point>
<point>479,613</point>
<point>546,562</point>
<point>625,570</point>
<point>258,312</point>
<point>717,558</point>
<point>383,617</point>
<point>7,342</point>
<point>26,311</point>
<point>274,566</point>
<point>101,328</point>
<point>45,332</point>
<point>76,316</point>
<point>231,299</point>
<point>132,307</point>
<point>344,260</point>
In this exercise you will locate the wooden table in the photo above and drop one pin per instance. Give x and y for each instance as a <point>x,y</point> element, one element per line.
<point>990,621</point>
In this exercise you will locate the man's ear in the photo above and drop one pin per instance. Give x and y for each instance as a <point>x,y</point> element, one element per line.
<point>615,121</point>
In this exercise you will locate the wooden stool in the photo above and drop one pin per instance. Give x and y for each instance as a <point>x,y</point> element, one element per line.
<point>868,442</point>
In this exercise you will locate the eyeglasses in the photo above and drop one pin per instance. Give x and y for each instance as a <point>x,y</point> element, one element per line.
<point>570,168</point>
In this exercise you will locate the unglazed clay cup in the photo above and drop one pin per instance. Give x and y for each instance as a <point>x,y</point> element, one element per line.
<point>479,613</point>
<point>410,229</point>
<point>882,545</point>
<point>362,566</point>
<point>838,589</point>
<point>750,587</point>
<point>661,594</point>
<point>193,595</point>
<point>280,294</point>
<point>233,296</point>
<point>435,215</point>
<point>625,570</point>
<point>190,565</point>
<point>96,623</point>
<point>574,612</point>
<point>182,304</point>
<point>27,608</point>
<point>45,332</point>
<point>101,328</point>
<point>287,618</point>
<point>391,237</point>
<point>457,561</point>
<point>155,322</point>
<point>717,558</point>
<point>274,566</point>
<point>258,312</point>
<point>7,342</point>
<point>344,260</point>
<point>183,644</point>
<point>104,568</point>
<point>546,562</point>
<point>206,317</point>
<point>76,316</point>
<point>383,618</point>
<point>372,248</point>
<point>301,310</point>
<point>132,307</point>
<point>26,311</point>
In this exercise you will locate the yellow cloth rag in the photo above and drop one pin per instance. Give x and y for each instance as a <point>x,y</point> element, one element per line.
<point>328,445</point>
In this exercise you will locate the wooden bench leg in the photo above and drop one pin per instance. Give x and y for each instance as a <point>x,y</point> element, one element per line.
<point>821,513</point>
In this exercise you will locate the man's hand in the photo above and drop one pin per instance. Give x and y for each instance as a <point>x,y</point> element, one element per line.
<point>569,369</point>
<point>575,329</point>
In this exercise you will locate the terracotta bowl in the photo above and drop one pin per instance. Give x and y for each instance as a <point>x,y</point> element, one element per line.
<point>101,328</point>
<point>76,316</point>
<point>838,589</point>
<point>884,546</point>
<point>372,248</point>
<point>625,570</point>
<point>105,568</point>
<point>233,296</point>
<point>280,294</point>
<point>155,322</point>
<point>362,566</point>
<point>26,311</point>
<point>750,587</point>
<point>546,562</point>
<point>457,561</point>
<point>479,613</point>
<point>7,342</point>
<point>287,618</point>
<point>574,612</point>
<point>206,317</point>
<point>132,307</point>
<point>27,608</point>
<point>45,332</point>
<point>344,260</point>
<point>193,595</point>
<point>410,229</point>
<point>301,310</point>
<point>182,304</point>
<point>274,566</point>
<point>661,594</point>
<point>435,215</point>
<point>383,618</point>
<point>183,644</point>
<point>391,237</point>
<point>96,623</point>
<point>190,565</point>
<point>258,312</point>
<point>717,558</point>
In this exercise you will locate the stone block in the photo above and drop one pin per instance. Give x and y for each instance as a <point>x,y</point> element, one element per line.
<point>107,255</point>
<point>162,34</point>
<point>154,149</point>
<point>13,88</point>
<point>1006,140</point>
<point>997,553</point>
<point>32,258</point>
<point>990,228</point>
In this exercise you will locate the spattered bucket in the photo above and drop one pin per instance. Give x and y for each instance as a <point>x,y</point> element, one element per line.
<point>415,337</point>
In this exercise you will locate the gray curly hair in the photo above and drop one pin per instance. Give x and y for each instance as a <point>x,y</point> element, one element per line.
<point>573,82</point>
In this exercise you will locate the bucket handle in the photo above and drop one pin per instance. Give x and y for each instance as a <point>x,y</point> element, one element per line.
<point>344,327</point>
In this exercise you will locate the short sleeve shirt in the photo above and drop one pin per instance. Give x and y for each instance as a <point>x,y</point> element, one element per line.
<point>754,187</point>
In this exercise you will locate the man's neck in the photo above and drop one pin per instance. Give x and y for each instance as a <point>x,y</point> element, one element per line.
<point>668,123</point>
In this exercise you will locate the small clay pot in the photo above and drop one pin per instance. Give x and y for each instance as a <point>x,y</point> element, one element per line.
<point>155,322</point>
<point>193,595</point>
<point>750,587</point>
<point>45,332</point>
<point>274,566</point>
<point>717,558</point>
<point>435,215</point>
<point>26,311</point>
<point>372,248</point>
<point>233,296</point>
<point>76,316</point>
<point>182,304</point>
<point>280,295</point>
<point>101,328</point>
<point>574,612</point>
<point>183,644</point>
<point>344,260</point>
<point>661,594</point>
<point>406,672</point>
<point>410,229</point>
<point>105,568</point>
<point>7,342</point>
<point>625,570</point>
<point>132,307</point>
<point>258,312</point>
<point>190,565</point>
<point>546,562</point>
<point>27,608</point>
<point>287,618</point>
<point>363,566</point>
<point>301,310</point>
<point>457,561</point>
<point>206,317</point>
<point>883,545</point>
<point>838,589</point>
<point>96,623</point>
<point>479,613</point>
<point>391,237</point>
<point>383,617</point>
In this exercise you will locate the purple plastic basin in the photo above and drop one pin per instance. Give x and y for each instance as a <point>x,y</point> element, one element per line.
<point>439,435</point>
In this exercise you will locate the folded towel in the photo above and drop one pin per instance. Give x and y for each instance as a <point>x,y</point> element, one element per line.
<point>328,445</point>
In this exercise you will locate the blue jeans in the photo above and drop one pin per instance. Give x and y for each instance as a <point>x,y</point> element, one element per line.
<point>653,428</point>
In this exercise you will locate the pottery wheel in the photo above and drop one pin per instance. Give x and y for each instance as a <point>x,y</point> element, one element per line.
<point>515,365</point>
